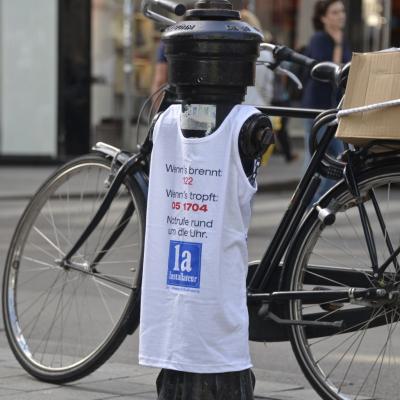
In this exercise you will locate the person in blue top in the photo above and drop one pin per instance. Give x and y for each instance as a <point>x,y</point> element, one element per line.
<point>327,44</point>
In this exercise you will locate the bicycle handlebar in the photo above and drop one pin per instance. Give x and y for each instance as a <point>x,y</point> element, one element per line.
<point>321,71</point>
<point>283,53</point>
<point>171,6</point>
<point>168,5</point>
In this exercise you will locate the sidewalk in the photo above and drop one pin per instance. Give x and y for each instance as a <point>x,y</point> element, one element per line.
<point>115,381</point>
<point>20,182</point>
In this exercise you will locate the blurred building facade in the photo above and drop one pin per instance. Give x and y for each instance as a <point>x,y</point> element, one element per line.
<point>61,68</point>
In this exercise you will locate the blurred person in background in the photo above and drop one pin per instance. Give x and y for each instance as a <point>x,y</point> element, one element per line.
<point>262,92</point>
<point>327,44</point>
<point>268,89</point>
<point>160,79</point>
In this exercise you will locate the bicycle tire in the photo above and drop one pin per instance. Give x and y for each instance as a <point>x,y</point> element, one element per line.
<point>62,323</point>
<point>359,360</point>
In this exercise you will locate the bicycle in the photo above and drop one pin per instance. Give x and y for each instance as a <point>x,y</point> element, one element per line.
<point>79,246</point>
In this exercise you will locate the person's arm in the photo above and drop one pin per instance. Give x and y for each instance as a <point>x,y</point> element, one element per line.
<point>160,74</point>
<point>160,79</point>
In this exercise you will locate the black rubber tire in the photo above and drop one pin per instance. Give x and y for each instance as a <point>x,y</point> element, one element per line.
<point>346,363</point>
<point>93,291</point>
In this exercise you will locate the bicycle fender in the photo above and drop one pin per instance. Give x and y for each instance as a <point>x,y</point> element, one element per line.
<point>121,157</point>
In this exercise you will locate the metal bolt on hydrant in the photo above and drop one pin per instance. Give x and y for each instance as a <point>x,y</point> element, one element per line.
<point>206,150</point>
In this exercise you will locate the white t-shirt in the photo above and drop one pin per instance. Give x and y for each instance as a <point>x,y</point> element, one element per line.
<point>194,314</point>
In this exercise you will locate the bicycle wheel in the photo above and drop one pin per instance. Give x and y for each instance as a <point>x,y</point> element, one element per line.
<point>360,360</point>
<point>63,323</point>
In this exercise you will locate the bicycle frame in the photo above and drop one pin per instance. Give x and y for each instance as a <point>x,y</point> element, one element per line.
<point>296,210</point>
<point>135,164</point>
<point>291,219</point>
<point>265,279</point>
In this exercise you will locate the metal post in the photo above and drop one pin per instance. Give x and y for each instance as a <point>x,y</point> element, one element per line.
<point>387,7</point>
<point>128,28</point>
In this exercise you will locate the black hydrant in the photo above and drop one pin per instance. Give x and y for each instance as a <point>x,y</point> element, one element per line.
<point>211,58</point>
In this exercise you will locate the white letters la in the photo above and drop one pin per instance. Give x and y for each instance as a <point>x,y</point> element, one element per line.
<point>186,261</point>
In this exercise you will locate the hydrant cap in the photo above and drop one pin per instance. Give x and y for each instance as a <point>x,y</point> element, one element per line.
<point>211,54</point>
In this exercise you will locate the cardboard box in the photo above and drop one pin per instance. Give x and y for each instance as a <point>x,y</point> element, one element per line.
<point>374,78</point>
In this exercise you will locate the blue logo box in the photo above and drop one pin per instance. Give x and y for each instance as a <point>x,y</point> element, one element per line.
<point>184,264</point>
